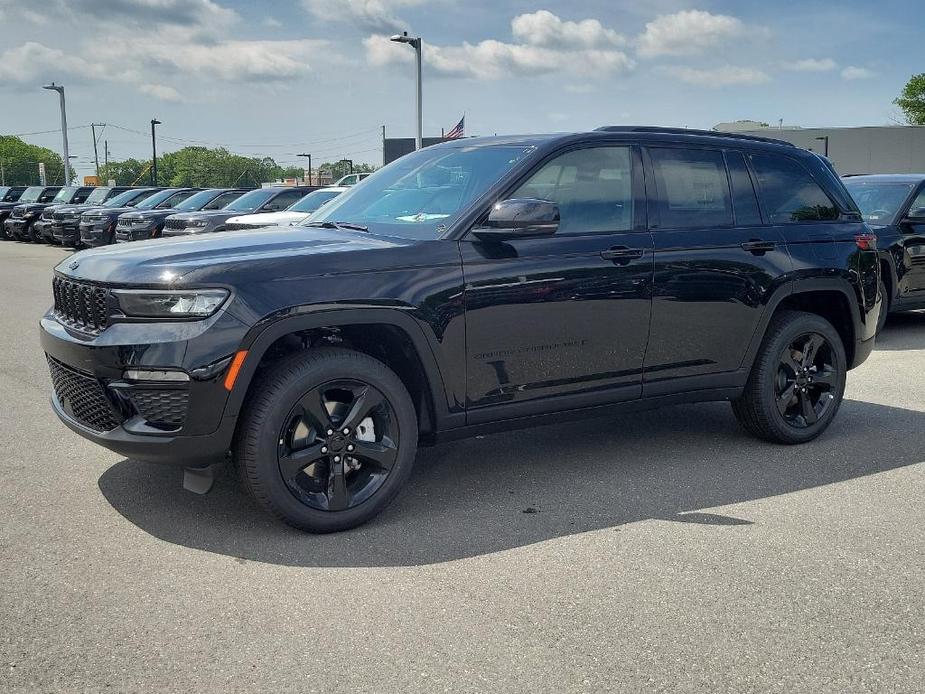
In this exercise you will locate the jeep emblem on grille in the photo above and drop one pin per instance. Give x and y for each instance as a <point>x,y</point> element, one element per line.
<point>73,266</point>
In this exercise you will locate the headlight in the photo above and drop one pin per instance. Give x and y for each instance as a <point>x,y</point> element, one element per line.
<point>169,303</point>
<point>28,215</point>
<point>197,224</point>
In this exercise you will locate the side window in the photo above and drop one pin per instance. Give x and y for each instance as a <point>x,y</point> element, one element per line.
<point>693,189</point>
<point>175,200</point>
<point>222,200</point>
<point>48,196</point>
<point>82,195</point>
<point>282,201</point>
<point>593,188</point>
<point>789,193</point>
<point>744,201</point>
<point>917,208</point>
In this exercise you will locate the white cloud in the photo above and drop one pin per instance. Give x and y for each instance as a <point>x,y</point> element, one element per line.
<point>271,22</point>
<point>370,15</point>
<point>686,33</point>
<point>160,91</point>
<point>857,73</point>
<point>725,76</point>
<point>589,51</point>
<point>543,28</point>
<point>811,65</point>
<point>34,62</point>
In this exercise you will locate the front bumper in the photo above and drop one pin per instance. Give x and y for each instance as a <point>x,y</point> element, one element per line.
<point>42,229</point>
<point>94,233</point>
<point>161,421</point>
<point>17,227</point>
<point>135,233</point>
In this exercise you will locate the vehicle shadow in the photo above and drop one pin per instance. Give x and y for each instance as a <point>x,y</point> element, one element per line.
<point>514,489</point>
<point>903,331</point>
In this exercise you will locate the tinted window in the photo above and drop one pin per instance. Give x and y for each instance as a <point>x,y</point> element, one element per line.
<point>593,188</point>
<point>693,190</point>
<point>744,201</point>
<point>223,200</point>
<point>65,194</point>
<point>917,208</point>
<point>174,199</point>
<point>82,195</point>
<point>97,196</point>
<point>282,201</point>
<point>878,202</point>
<point>313,201</point>
<point>788,192</point>
<point>155,200</point>
<point>249,202</point>
<point>48,195</point>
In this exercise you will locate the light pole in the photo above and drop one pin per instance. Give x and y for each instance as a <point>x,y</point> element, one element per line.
<point>309,166</point>
<point>154,121</point>
<point>67,161</point>
<point>825,139</point>
<point>416,44</point>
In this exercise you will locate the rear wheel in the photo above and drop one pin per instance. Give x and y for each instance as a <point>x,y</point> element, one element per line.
<point>797,382</point>
<point>327,440</point>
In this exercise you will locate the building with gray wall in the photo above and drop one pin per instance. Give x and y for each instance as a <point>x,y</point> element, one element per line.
<point>873,149</point>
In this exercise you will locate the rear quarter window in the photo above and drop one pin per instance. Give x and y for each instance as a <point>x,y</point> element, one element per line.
<point>788,193</point>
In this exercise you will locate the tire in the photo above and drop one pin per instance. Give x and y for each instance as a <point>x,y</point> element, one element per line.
<point>779,370</point>
<point>278,414</point>
<point>885,306</point>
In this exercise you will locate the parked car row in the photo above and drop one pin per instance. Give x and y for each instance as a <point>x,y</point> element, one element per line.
<point>79,216</point>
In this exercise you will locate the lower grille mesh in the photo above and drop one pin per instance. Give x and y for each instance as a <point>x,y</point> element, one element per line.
<point>161,407</point>
<point>82,397</point>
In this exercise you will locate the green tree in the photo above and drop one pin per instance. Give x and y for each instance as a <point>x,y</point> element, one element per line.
<point>912,100</point>
<point>337,169</point>
<point>128,172</point>
<point>20,162</point>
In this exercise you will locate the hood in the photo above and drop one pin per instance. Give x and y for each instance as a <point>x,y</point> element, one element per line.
<point>147,214</point>
<point>215,257</point>
<point>270,218</point>
<point>204,213</point>
<point>107,211</point>
<point>32,206</point>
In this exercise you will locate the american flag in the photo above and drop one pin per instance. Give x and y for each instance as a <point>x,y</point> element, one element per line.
<point>457,132</point>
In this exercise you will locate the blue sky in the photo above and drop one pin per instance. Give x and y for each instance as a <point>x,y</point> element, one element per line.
<point>282,77</point>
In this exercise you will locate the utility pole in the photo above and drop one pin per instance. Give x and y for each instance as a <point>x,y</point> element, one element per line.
<point>96,155</point>
<point>415,43</point>
<point>67,159</point>
<point>2,174</point>
<point>106,158</point>
<point>383,145</point>
<point>154,121</point>
<point>309,166</point>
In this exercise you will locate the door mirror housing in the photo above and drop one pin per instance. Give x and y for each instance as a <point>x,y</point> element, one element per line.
<point>916,216</point>
<point>519,218</point>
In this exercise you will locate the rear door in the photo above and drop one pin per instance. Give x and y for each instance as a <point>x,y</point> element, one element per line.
<point>911,273</point>
<point>716,264</point>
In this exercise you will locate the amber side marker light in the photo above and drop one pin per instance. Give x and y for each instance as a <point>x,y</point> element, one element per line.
<point>866,242</point>
<point>234,369</point>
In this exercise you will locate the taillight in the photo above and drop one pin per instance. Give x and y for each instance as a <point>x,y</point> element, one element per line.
<point>866,242</point>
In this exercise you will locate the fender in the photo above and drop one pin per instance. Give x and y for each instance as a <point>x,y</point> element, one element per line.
<point>269,329</point>
<point>804,286</point>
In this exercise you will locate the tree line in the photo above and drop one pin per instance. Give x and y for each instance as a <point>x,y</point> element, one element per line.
<point>197,167</point>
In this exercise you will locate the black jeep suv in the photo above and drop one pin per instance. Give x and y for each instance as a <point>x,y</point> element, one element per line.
<point>97,227</point>
<point>148,224</point>
<point>894,207</point>
<point>61,220</point>
<point>27,209</point>
<point>9,198</point>
<point>471,286</point>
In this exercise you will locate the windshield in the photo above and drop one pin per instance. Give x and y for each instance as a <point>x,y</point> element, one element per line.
<point>313,201</point>
<point>250,201</point>
<point>123,199</point>
<point>97,196</point>
<point>31,194</point>
<point>65,194</point>
<point>197,201</point>
<point>156,199</point>
<point>879,202</point>
<point>419,195</point>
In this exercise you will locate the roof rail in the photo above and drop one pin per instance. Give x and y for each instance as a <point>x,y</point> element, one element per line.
<point>689,131</point>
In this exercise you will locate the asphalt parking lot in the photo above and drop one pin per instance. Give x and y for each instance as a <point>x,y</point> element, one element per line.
<point>663,551</point>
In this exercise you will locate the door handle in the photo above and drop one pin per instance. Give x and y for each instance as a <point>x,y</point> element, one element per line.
<point>621,254</point>
<point>758,246</point>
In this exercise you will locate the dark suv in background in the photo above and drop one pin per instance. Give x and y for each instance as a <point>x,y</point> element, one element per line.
<point>894,207</point>
<point>9,198</point>
<point>68,215</point>
<point>69,195</point>
<point>148,224</point>
<point>272,199</point>
<point>27,210</point>
<point>473,286</point>
<point>97,227</point>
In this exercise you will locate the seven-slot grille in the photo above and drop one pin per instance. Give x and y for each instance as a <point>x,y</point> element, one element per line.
<point>175,223</point>
<point>17,213</point>
<point>81,306</point>
<point>82,397</point>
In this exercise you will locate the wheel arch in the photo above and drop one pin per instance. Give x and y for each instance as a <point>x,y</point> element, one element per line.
<point>387,334</point>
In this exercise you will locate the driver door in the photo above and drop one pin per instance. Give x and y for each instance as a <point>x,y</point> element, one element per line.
<point>563,321</point>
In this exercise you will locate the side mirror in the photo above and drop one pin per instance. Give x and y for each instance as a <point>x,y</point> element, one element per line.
<point>916,216</point>
<point>519,218</point>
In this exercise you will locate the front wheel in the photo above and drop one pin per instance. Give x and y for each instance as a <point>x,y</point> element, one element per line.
<point>797,381</point>
<point>327,439</point>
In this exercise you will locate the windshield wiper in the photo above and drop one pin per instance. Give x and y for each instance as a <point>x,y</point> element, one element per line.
<point>337,225</point>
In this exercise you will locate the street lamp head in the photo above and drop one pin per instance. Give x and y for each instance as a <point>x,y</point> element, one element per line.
<point>155,121</point>
<point>54,87</point>
<point>404,38</point>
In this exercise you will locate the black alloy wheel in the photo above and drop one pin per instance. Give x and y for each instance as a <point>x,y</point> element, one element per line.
<point>805,381</point>
<point>338,445</point>
<point>326,439</point>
